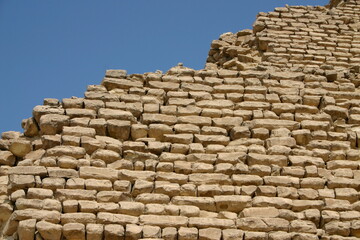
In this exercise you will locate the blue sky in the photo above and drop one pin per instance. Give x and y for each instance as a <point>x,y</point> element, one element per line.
<point>54,49</point>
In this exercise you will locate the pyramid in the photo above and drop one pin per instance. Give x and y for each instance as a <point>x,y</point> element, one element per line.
<point>263,143</point>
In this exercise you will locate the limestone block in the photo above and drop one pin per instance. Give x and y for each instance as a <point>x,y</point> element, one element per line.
<point>338,228</point>
<point>26,229</point>
<point>75,194</point>
<point>302,136</point>
<point>74,113</point>
<point>179,138</point>
<point>164,221</point>
<point>98,173</point>
<point>158,131</point>
<point>337,204</point>
<point>22,203</point>
<point>49,231</point>
<point>315,125</point>
<point>355,228</point>
<point>201,157</point>
<point>110,196</point>
<point>38,193</point>
<point>282,181</point>
<point>139,131</point>
<point>172,177</point>
<point>240,132</point>
<point>30,127</point>
<point>119,129</point>
<point>52,124</point>
<point>204,203</point>
<point>133,231</point>
<point>279,108</point>
<point>210,234</point>
<point>114,83</point>
<point>277,202</point>
<point>216,104</point>
<point>56,172</point>
<point>94,231</point>
<point>306,161</point>
<point>262,224</point>
<point>260,212</point>
<point>241,180</point>
<point>79,131</point>
<point>76,152</point>
<point>153,198</point>
<point>28,170</point>
<point>201,222</point>
<point>302,226</point>
<point>108,156</point>
<point>274,124</point>
<point>114,232</point>
<point>7,158</point>
<point>185,233</point>
<point>336,112</point>
<point>53,183</point>
<point>338,182</point>
<point>301,205</point>
<point>50,216</point>
<point>280,141</point>
<point>169,233</point>
<point>253,105</point>
<point>167,86</point>
<point>111,218</point>
<point>17,182</point>
<point>209,178</point>
<point>232,203</point>
<point>206,140</point>
<point>314,183</point>
<point>131,208</point>
<point>132,176</point>
<point>74,231</point>
<point>189,211</point>
<point>349,194</point>
<point>20,147</point>
<point>227,122</point>
<point>149,118</point>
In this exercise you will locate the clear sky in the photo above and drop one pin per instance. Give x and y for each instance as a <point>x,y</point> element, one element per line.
<point>54,49</point>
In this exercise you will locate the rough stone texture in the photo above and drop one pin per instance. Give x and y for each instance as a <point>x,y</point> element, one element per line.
<point>260,144</point>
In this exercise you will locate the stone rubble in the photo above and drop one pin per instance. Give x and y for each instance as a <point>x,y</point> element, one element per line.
<point>261,144</point>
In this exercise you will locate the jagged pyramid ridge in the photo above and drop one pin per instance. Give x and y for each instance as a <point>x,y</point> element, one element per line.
<point>263,143</point>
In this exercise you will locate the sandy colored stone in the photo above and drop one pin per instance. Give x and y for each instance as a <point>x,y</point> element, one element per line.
<point>20,147</point>
<point>48,230</point>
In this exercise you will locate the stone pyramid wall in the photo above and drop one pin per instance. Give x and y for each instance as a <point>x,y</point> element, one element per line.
<point>261,144</point>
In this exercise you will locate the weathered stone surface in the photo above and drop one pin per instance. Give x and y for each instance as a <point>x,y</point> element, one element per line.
<point>76,152</point>
<point>98,173</point>
<point>20,147</point>
<point>274,123</point>
<point>119,129</point>
<point>7,158</point>
<point>26,229</point>
<point>114,83</point>
<point>28,170</point>
<point>49,230</point>
<point>232,203</point>
<point>74,231</point>
<point>211,222</point>
<point>148,118</point>
<point>110,218</point>
<point>114,231</point>
<point>164,221</point>
<point>53,123</point>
